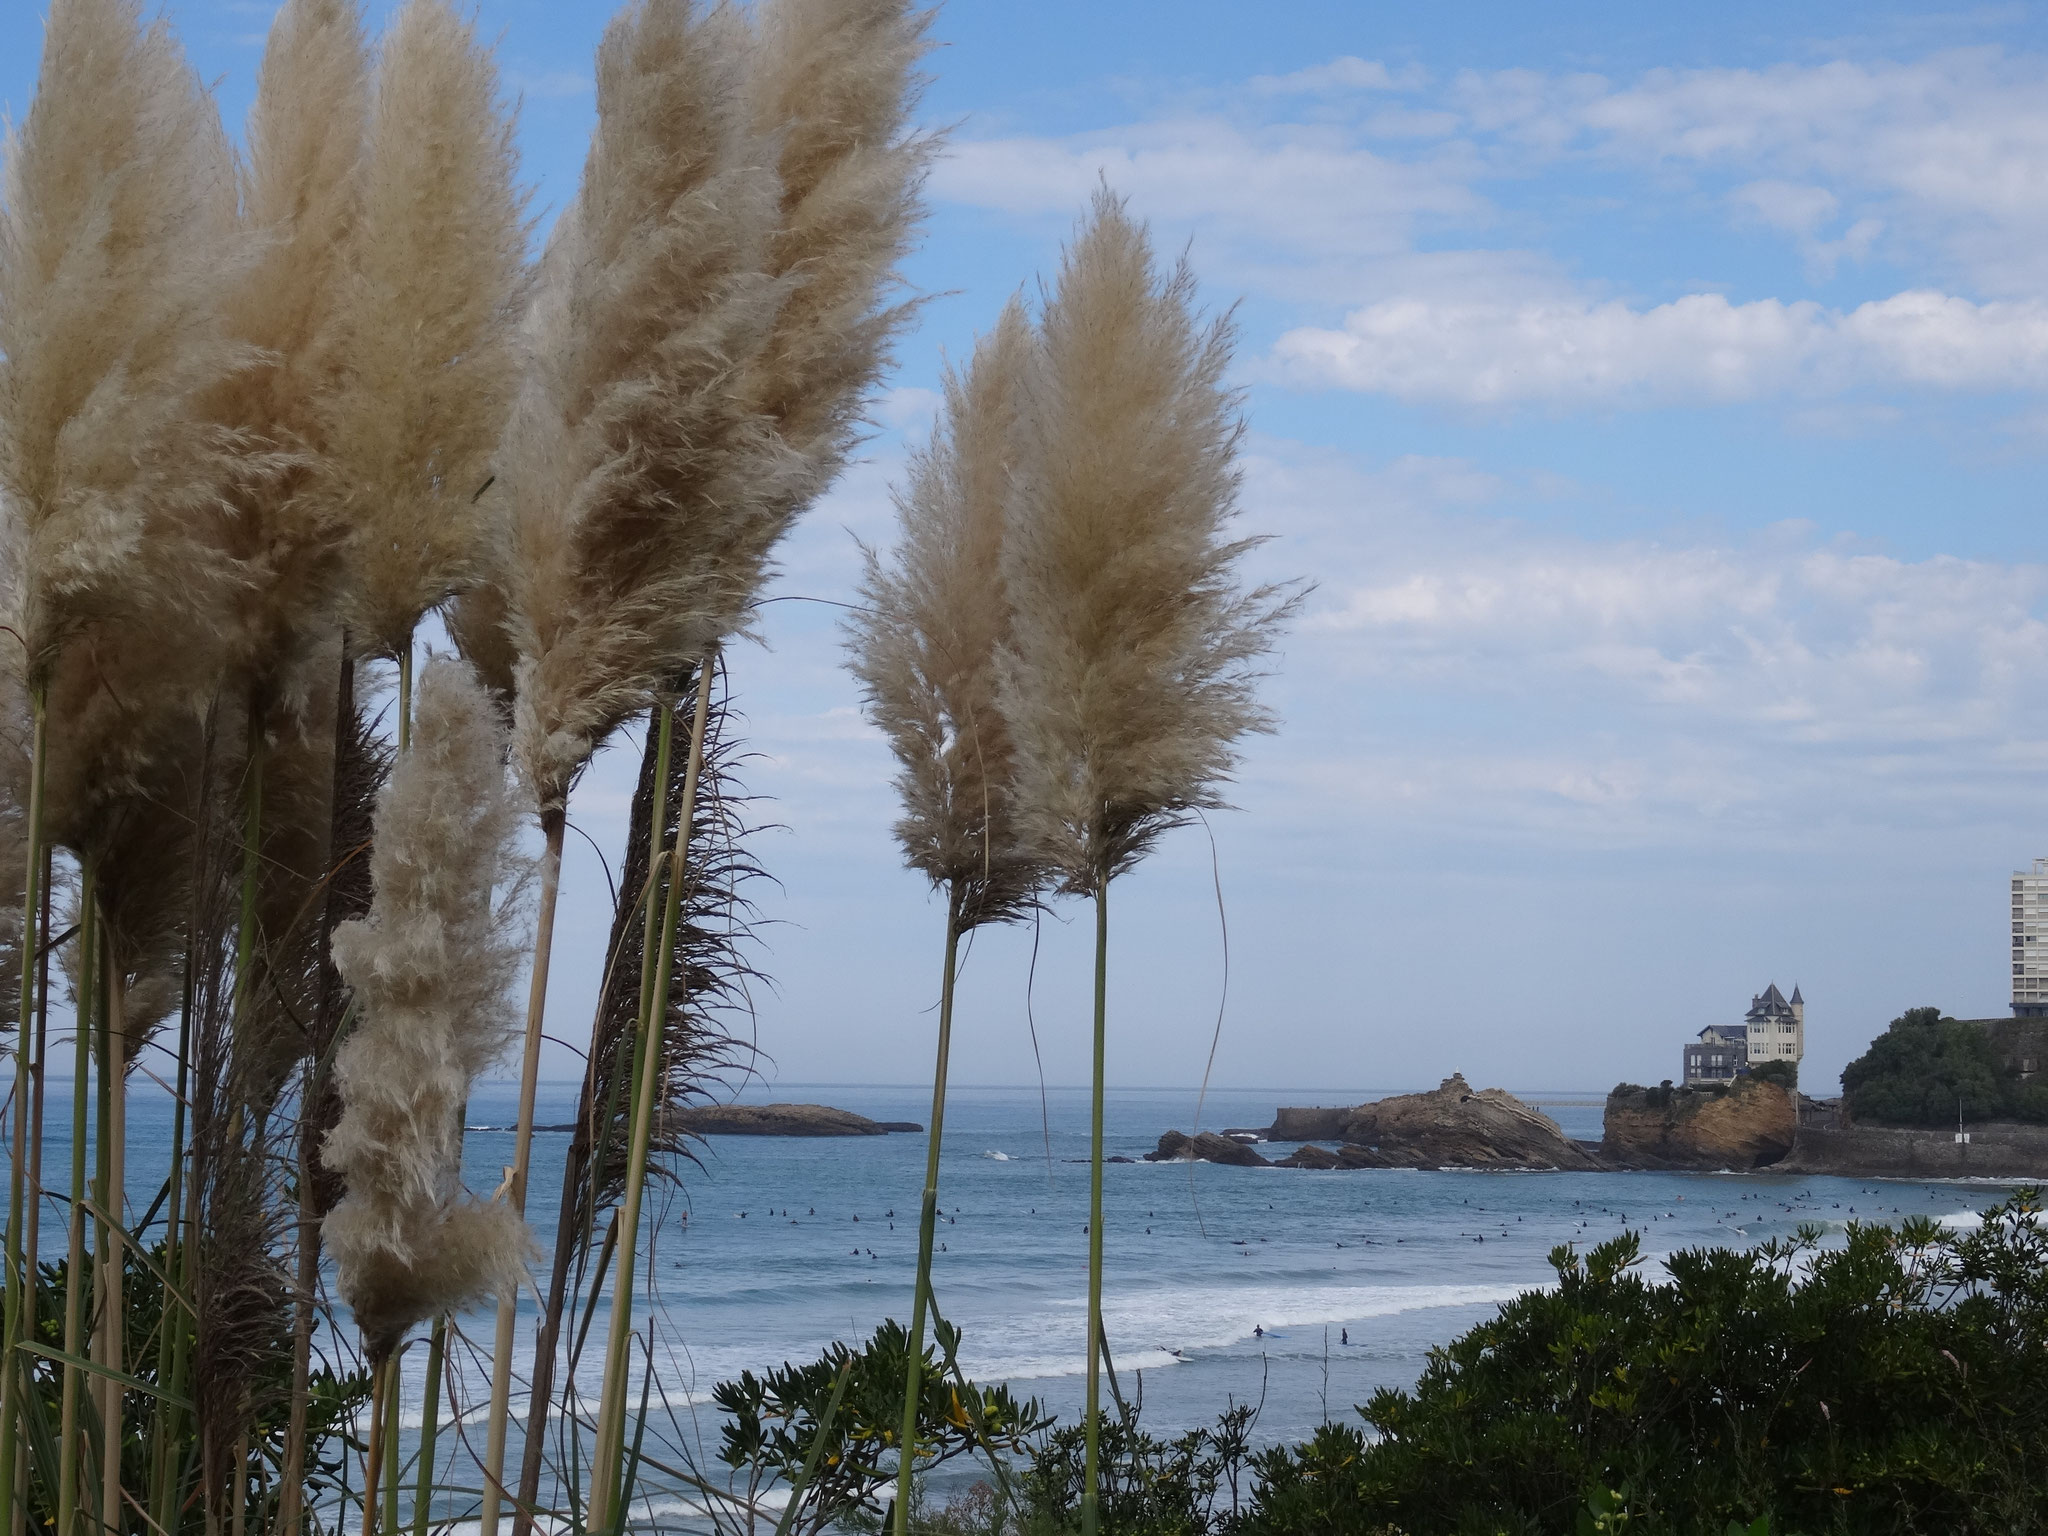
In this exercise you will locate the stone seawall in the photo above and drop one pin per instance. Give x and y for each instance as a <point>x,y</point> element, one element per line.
<point>1994,1151</point>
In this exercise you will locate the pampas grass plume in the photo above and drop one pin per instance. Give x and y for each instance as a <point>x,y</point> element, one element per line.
<point>636,475</point>
<point>117,241</point>
<point>299,211</point>
<point>431,968</point>
<point>834,85</point>
<point>425,323</point>
<point>933,621</point>
<point>299,192</point>
<point>1130,673</point>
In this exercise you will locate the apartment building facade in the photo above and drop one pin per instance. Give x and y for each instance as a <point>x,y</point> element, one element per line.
<point>2030,941</point>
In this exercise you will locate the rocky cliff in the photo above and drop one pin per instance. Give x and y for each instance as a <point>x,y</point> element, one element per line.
<point>1749,1124</point>
<point>785,1120</point>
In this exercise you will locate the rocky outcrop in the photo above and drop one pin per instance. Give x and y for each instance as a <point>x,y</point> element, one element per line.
<point>1208,1147</point>
<point>1309,1124</point>
<point>1458,1126</point>
<point>1309,1155</point>
<point>1748,1124</point>
<point>1454,1126</point>
<point>785,1120</point>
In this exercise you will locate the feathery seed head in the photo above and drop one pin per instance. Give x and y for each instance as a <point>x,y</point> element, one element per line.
<point>926,643</point>
<point>431,969</point>
<point>117,242</point>
<point>300,197</point>
<point>637,478</point>
<point>834,85</point>
<point>425,324</point>
<point>299,189</point>
<point>1130,673</point>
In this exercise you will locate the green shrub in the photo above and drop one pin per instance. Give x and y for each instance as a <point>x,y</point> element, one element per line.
<point>1784,1073</point>
<point>1899,1384</point>
<point>773,1421</point>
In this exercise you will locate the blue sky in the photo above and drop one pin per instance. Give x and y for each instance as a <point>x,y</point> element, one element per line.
<point>1659,400</point>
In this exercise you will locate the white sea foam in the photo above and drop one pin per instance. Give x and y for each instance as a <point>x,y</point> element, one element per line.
<point>1145,1327</point>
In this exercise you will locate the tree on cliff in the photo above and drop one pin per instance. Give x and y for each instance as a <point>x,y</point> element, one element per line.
<point>1926,1067</point>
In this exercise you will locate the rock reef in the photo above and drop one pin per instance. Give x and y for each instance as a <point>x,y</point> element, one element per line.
<point>785,1120</point>
<point>1208,1147</point>
<point>1748,1124</point>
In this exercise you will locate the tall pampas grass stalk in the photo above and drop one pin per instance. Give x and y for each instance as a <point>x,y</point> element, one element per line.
<point>607,1467</point>
<point>709,321</point>
<point>924,646</point>
<point>1130,673</point>
<point>831,85</point>
<point>21,1256</point>
<point>425,360</point>
<point>72,1387</point>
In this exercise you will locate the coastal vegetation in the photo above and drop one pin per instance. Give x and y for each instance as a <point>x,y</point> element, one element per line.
<point>1928,1069</point>
<point>269,416</point>
<point>1896,1383</point>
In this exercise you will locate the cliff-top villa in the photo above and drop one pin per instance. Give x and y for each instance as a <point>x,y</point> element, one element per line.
<point>1774,1029</point>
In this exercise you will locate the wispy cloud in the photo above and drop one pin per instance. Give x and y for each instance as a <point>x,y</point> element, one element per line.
<point>1698,348</point>
<point>1389,204</point>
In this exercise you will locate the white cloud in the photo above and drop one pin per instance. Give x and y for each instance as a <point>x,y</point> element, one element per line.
<point>1948,152</point>
<point>1939,163</point>
<point>908,408</point>
<point>1348,73</point>
<point>1785,205</point>
<point>1700,347</point>
<point>1543,685</point>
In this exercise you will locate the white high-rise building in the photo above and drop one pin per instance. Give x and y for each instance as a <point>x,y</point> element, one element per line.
<point>1777,1027</point>
<point>2030,941</point>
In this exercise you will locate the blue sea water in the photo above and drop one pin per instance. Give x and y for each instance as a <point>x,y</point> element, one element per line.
<point>1301,1291</point>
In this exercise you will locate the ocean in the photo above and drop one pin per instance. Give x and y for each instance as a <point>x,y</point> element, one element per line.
<point>1302,1292</point>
